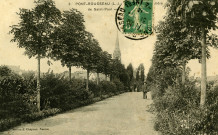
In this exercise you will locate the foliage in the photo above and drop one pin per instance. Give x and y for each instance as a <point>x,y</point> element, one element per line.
<point>179,111</point>
<point>12,122</point>
<point>119,85</point>
<point>105,62</point>
<point>124,78</point>
<point>91,54</point>
<point>9,123</point>
<point>177,105</point>
<point>52,85</point>
<point>35,27</point>
<point>46,32</point>
<point>130,71</point>
<point>5,71</point>
<point>18,96</point>
<point>29,80</point>
<point>33,32</point>
<point>140,75</point>
<point>95,89</point>
<point>107,87</point>
<point>68,37</point>
<point>117,70</point>
<point>14,95</point>
<point>39,115</point>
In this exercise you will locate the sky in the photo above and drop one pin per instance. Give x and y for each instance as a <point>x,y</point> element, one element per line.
<point>101,24</point>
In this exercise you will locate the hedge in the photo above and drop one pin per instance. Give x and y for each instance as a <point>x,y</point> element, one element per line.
<point>179,111</point>
<point>18,96</point>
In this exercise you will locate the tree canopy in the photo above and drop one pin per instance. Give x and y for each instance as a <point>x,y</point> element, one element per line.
<point>35,27</point>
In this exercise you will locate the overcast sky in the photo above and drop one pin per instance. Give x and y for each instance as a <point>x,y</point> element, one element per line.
<point>101,24</point>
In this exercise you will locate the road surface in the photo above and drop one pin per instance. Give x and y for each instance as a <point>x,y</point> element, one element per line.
<point>124,114</point>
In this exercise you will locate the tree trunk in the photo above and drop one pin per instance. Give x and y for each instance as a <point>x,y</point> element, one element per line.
<point>183,72</point>
<point>97,78</point>
<point>203,68</point>
<point>87,80</point>
<point>111,78</point>
<point>38,83</point>
<point>70,73</point>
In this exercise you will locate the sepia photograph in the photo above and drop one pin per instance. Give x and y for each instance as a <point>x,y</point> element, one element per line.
<point>108,67</point>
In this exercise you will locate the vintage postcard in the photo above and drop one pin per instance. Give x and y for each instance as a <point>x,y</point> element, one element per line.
<point>108,67</point>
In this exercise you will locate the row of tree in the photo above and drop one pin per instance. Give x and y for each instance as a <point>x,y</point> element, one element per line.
<point>136,81</point>
<point>46,32</point>
<point>185,35</point>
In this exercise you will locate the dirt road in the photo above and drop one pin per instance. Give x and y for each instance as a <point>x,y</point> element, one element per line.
<point>124,114</point>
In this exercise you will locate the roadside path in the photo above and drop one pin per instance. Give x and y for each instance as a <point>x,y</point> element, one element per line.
<point>124,114</point>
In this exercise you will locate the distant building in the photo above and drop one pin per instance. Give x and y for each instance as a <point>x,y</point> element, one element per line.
<point>117,53</point>
<point>83,75</point>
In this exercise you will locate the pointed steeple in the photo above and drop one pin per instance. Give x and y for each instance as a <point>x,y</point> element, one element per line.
<point>117,53</point>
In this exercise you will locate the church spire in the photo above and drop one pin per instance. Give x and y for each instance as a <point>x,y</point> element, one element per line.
<point>117,53</point>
